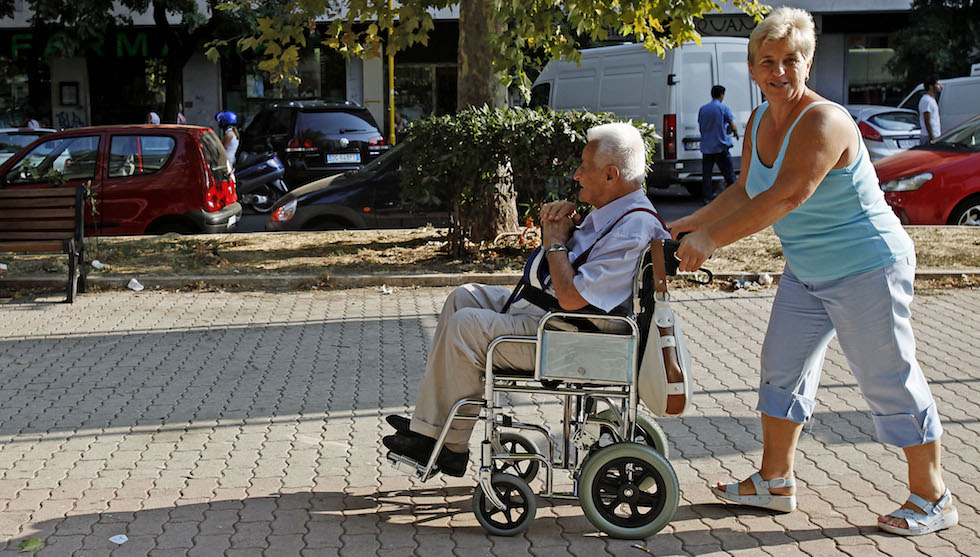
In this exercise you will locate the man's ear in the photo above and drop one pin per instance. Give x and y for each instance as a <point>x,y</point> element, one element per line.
<point>612,173</point>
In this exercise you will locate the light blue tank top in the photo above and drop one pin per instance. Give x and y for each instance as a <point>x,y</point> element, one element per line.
<point>844,228</point>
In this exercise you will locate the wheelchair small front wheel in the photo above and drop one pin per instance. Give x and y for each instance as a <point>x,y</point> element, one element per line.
<point>650,433</point>
<point>527,469</point>
<point>628,490</point>
<point>518,499</point>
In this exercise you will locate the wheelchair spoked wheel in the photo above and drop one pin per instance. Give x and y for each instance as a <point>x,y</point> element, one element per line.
<point>650,433</point>
<point>516,495</point>
<point>628,490</point>
<point>527,470</point>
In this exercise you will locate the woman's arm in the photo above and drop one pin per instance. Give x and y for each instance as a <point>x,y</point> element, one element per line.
<point>822,139</point>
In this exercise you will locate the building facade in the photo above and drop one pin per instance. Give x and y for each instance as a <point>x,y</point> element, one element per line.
<point>117,78</point>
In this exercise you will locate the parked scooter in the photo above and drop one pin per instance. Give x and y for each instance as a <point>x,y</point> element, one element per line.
<point>260,182</point>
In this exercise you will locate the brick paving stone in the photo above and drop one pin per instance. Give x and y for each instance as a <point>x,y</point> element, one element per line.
<point>209,545</point>
<point>136,546</point>
<point>59,546</point>
<point>132,428</point>
<point>251,535</point>
<point>244,553</point>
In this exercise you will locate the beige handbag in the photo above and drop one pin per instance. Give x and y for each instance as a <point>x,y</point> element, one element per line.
<point>664,382</point>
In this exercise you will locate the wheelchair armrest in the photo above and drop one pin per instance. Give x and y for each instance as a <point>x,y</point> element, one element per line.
<point>567,318</point>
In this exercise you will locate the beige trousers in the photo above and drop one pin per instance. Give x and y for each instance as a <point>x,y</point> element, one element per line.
<point>470,320</point>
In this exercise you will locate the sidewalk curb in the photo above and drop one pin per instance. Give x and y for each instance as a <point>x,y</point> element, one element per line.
<point>293,282</point>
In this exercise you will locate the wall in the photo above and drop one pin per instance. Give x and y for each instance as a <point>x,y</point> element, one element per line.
<point>827,77</point>
<point>74,73</point>
<point>374,89</point>
<point>202,90</point>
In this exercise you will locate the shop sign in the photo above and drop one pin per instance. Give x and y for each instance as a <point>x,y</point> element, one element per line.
<point>735,25</point>
<point>119,44</point>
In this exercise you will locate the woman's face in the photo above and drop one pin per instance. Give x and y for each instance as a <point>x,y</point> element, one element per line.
<point>780,70</point>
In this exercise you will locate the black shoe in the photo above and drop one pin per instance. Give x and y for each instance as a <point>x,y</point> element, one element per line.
<point>419,448</point>
<point>400,423</point>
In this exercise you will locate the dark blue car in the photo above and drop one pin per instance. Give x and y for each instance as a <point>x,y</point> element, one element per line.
<point>369,197</point>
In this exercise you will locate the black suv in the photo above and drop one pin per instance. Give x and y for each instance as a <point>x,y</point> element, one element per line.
<point>315,138</point>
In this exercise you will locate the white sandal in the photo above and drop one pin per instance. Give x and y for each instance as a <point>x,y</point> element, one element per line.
<point>934,518</point>
<point>762,498</point>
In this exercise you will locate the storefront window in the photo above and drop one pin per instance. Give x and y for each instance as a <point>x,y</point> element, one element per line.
<point>25,93</point>
<point>868,79</point>
<point>425,89</point>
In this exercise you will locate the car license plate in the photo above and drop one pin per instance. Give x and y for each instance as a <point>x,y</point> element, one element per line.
<point>232,220</point>
<point>694,145</point>
<point>343,157</point>
<point>907,143</point>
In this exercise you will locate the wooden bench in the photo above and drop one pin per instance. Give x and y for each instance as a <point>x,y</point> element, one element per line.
<point>46,220</point>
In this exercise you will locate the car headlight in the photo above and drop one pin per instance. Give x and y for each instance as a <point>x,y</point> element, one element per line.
<point>907,183</point>
<point>286,212</point>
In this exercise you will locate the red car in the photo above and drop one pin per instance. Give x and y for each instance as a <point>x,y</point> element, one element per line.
<point>145,179</point>
<point>937,183</point>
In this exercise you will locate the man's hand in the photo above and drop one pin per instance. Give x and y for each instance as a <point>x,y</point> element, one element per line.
<point>558,220</point>
<point>695,249</point>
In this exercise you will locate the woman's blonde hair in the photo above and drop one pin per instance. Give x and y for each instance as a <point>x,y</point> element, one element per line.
<point>785,23</point>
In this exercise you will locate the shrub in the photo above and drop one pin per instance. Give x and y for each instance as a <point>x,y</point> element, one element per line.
<point>461,161</point>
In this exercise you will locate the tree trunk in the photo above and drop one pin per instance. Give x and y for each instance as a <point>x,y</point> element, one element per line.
<point>477,85</point>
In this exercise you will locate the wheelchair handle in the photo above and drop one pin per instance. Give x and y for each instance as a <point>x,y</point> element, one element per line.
<point>671,262</point>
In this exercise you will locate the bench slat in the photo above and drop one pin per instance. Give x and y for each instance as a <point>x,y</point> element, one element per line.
<point>51,245</point>
<point>37,225</point>
<point>39,235</point>
<point>64,213</point>
<point>37,192</point>
<point>32,202</point>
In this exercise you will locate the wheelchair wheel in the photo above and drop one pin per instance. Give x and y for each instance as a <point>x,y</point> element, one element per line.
<point>650,433</point>
<point>628,491</point>
<point>525,469</point>
<point>516,495</point>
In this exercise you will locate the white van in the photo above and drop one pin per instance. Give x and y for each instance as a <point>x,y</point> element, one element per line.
<point>959,101</point>
<point>633,83</point>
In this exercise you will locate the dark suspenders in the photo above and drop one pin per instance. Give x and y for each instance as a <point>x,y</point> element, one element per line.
<point>548,302</point>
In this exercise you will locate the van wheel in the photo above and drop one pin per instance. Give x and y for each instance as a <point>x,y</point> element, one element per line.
<point>693,189</point>
<point>967,212</point>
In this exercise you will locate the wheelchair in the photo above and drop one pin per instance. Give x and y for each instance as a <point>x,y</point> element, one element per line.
<point>616,457</point>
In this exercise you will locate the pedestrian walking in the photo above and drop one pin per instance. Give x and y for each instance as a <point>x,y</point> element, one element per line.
<point>716,120</point>
<point>929,127</point>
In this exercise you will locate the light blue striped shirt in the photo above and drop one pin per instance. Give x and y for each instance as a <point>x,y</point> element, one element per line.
<point>605,280</point>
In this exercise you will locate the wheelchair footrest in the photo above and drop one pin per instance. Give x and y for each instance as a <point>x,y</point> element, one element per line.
<point>408,465</point>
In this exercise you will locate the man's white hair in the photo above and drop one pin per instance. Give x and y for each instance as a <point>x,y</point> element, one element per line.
<point>620,145</point>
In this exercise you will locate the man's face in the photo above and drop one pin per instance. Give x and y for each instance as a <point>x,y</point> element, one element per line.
<point>591,178</point>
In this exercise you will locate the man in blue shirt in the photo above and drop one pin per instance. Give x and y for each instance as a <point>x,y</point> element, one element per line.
<point>715,120</point>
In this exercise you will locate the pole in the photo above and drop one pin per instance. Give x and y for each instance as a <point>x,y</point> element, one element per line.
<point>391,86</point>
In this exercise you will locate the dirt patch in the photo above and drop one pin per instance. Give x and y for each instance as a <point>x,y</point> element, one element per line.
<point>415,251</point>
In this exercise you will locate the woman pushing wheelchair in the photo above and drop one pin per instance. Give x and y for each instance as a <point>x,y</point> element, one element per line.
<point>849,270</point>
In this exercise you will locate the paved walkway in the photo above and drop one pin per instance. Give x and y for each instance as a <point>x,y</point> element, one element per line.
<point>249,424</point>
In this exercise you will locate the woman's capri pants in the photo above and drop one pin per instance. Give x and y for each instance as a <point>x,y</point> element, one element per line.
<point>870,314</point>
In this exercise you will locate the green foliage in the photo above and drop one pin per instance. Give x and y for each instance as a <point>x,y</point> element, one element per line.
<point>455,160</point>
<point>548,27</point>
<point>30,545</point>
<point>941,39</point>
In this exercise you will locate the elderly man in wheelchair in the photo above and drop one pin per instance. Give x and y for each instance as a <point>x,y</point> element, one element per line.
<point>586,266</point>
